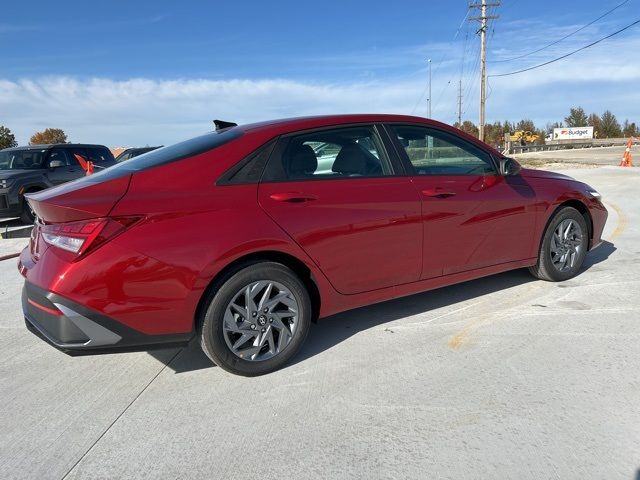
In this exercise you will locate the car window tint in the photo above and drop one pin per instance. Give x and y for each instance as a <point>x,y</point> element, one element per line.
<point>72,152</point>
<point>57,155</point>
<point>21,159</point>
<point>434,152</point>
<point>100,156</point>
<point>330,154</point>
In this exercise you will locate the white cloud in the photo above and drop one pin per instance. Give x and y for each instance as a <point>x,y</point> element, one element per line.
<point>141,111</point>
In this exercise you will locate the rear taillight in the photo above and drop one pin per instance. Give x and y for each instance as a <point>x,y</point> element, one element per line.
<point>86,235</point>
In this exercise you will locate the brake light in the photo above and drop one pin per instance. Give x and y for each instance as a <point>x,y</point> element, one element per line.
<point>86,235</point>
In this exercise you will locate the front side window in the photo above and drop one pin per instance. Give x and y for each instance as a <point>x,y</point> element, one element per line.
<point>21,159</point>
<point>435,152</point>
<point>330,154</point>
<point>57,157</point>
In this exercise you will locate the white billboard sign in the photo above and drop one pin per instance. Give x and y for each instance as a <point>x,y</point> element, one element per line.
<point>573,133</point>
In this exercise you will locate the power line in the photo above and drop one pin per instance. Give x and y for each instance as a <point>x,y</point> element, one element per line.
<point>563,38</point>
<point>568,54</point>
<point>455,36</point>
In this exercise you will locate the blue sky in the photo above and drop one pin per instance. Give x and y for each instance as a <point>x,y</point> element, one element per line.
<point>148,72</point>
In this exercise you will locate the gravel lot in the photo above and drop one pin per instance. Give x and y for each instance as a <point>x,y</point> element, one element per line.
<point>504,377</point>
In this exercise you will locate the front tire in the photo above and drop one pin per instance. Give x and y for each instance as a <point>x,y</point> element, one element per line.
<point>256,320</point>
<point>27,215</point>
<point>563,247</point>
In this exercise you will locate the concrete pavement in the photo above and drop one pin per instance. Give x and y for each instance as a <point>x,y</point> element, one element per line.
<point>504,377</point>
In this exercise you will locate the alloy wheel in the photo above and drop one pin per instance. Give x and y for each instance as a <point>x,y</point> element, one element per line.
<point>260,321</point>
<point>566,245</point>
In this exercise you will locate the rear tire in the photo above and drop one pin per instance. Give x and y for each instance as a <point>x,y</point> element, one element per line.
<point>563,247</point>
<point>256,320</point>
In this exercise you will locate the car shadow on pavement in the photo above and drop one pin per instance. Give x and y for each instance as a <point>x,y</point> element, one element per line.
<point>187,359</point>
<point>598,255</point>
<point>335,329</point>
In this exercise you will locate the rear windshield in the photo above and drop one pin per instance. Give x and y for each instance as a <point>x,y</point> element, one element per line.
<point>169,154</point>
<point>185,149</point>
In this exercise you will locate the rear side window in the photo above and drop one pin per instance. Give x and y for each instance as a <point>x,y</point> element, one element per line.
<point>57,155</point>
<point>329,154</point>
<point>100,156</point>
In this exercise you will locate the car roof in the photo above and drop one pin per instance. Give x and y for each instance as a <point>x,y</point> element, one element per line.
<point>290,125</point>
<point>51,145</point>
<point>301,123</point>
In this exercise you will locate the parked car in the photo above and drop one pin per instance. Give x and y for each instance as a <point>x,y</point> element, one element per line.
<point>240,238</point>
<point>37,167</point>
<point>130,153</point>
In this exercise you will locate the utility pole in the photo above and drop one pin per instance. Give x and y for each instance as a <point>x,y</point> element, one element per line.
<point>483,56</point>
<point>460,104</point>
<point>429,101</point>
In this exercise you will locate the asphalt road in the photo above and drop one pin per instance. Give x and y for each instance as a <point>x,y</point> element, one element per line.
<point>504,377</point>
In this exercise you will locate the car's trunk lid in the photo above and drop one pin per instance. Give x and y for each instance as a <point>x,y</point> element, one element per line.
<point>89,197</point>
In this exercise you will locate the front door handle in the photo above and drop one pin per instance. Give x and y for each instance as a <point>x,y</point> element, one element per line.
<point>292,197</point>
<point>437,192</point>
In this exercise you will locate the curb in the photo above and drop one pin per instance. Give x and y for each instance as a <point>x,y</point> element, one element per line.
<point>9,256</point>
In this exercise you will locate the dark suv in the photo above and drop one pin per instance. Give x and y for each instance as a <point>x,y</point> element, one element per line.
<point>36,167</point>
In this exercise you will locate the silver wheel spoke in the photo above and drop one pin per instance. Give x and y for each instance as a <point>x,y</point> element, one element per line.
<point>260,321</point>
<point>265,296</point>
<point>244,338</point>
<point>566,245</point>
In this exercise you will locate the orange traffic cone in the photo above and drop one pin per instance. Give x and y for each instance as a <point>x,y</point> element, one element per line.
<point>86,165</point>
<point>626,157</point>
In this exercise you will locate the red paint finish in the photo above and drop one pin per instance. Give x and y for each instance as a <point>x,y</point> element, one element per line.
<point>363,240</point>
<point>351,226</point>
<point>481,221</point>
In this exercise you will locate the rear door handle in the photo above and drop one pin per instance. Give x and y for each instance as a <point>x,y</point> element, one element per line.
<point>437,192</point>
<point>292,197</point>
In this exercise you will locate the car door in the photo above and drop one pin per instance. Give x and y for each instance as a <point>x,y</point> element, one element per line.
<point>60,167</point>
<point>75,155</point>
<point>338,195</point>
<point>473,216</point>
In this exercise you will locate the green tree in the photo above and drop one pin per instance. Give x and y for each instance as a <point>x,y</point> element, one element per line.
<point>630,129</point>
<point>7,139</point>
<point>595,121</point>
<point>526,125</point>
<point>469,127</point>
<point>610,126</point>
<point>577,117</point>
<point>50,135</point>
<point>494,134</point>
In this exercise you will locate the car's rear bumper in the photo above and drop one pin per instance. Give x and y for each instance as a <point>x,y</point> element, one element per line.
<point>73,328</point>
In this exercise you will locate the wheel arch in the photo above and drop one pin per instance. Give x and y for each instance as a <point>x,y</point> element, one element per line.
<point>580,207</point>
<point>299,268</point>
<point>31,188</point>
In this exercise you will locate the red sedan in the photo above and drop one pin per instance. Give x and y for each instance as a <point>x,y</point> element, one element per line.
<point>244,236</point>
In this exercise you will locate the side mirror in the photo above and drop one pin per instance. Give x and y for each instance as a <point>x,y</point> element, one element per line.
<point>55,164</point>
<point>509,167</point>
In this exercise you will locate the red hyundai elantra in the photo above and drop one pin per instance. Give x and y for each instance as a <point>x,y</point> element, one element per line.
<point>244,236</point>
